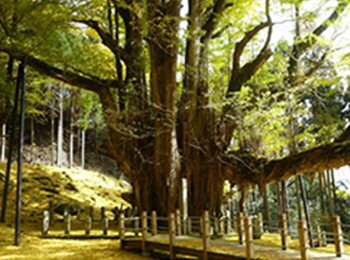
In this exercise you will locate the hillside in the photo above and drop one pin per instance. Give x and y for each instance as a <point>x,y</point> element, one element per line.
<point>42,184</point>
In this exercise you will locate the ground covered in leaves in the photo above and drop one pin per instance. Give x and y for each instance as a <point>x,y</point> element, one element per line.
<point>42,184</point>
<point>75,187</point>
<point>35,248</point>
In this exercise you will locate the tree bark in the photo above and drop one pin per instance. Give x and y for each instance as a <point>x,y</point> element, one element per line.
<point>321,189</point>
<point>71,134</point>
<point>32,135</point>
<point>83,149</point>
<point>306,209</point>
<point>60,130</point>
<point>266,207</point>
<point>3,143</point>
<point>330,194</point>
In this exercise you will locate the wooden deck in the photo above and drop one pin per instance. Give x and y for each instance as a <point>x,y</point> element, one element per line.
<point>219,250</point>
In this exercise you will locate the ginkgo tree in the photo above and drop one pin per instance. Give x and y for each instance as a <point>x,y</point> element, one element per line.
<point>164,127</point>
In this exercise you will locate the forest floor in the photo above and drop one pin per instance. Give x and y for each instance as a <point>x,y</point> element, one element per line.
<point>42,184</point>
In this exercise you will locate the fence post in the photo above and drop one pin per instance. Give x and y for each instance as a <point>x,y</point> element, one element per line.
<point>105,227</point>
<point>51,212</point>
<point>240,227</point>
<point>154,223</point>
<point>248,238</point>
<point>338,236</point>
<point>324,238</point>
<point>46,222</point>
<point>283,230</point>
<point>172,236</point>
<point>178,222</point>
<point>88,225</point>
<point>319,236</point>
<point>121,229</point>
<point>144,232</point>
<point>67,222</point>
<point>205,234</point>
<point>303,240</point>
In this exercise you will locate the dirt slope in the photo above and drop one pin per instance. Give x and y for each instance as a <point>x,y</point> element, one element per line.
<point>73,186</point>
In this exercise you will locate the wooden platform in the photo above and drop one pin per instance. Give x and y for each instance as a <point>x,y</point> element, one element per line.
<point>154,245</point>
<point>219,250</point>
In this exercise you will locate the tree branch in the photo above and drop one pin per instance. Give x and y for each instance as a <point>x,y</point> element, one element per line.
<point>92,84</point>
<point>248,170</point>
<point>219,7</point>
<point>107,38</point>
<point>306,43</point>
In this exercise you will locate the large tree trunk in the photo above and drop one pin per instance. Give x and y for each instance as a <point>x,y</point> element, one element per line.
<point>163,51</point>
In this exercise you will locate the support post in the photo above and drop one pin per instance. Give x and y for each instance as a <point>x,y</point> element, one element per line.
<point>22,78</point>
<point>172,236</point>
<point>144,232</point>
<point>154,223</point>
<point>88,225</point>
<point>205,234</point>
<point>178,222</point>
<point>68,224</point>
<point>46,222</point>
<point>105,226</point>
<point>11,145</point>
<point>121,229</point>
<point>303,240</point>
<point>248,238</point>
<point>240,227</point>
<point>338,236</point>
<point>283,230</point>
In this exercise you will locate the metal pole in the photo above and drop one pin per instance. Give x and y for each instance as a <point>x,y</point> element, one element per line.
<point>20,158</point>
<point>10,150</point>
